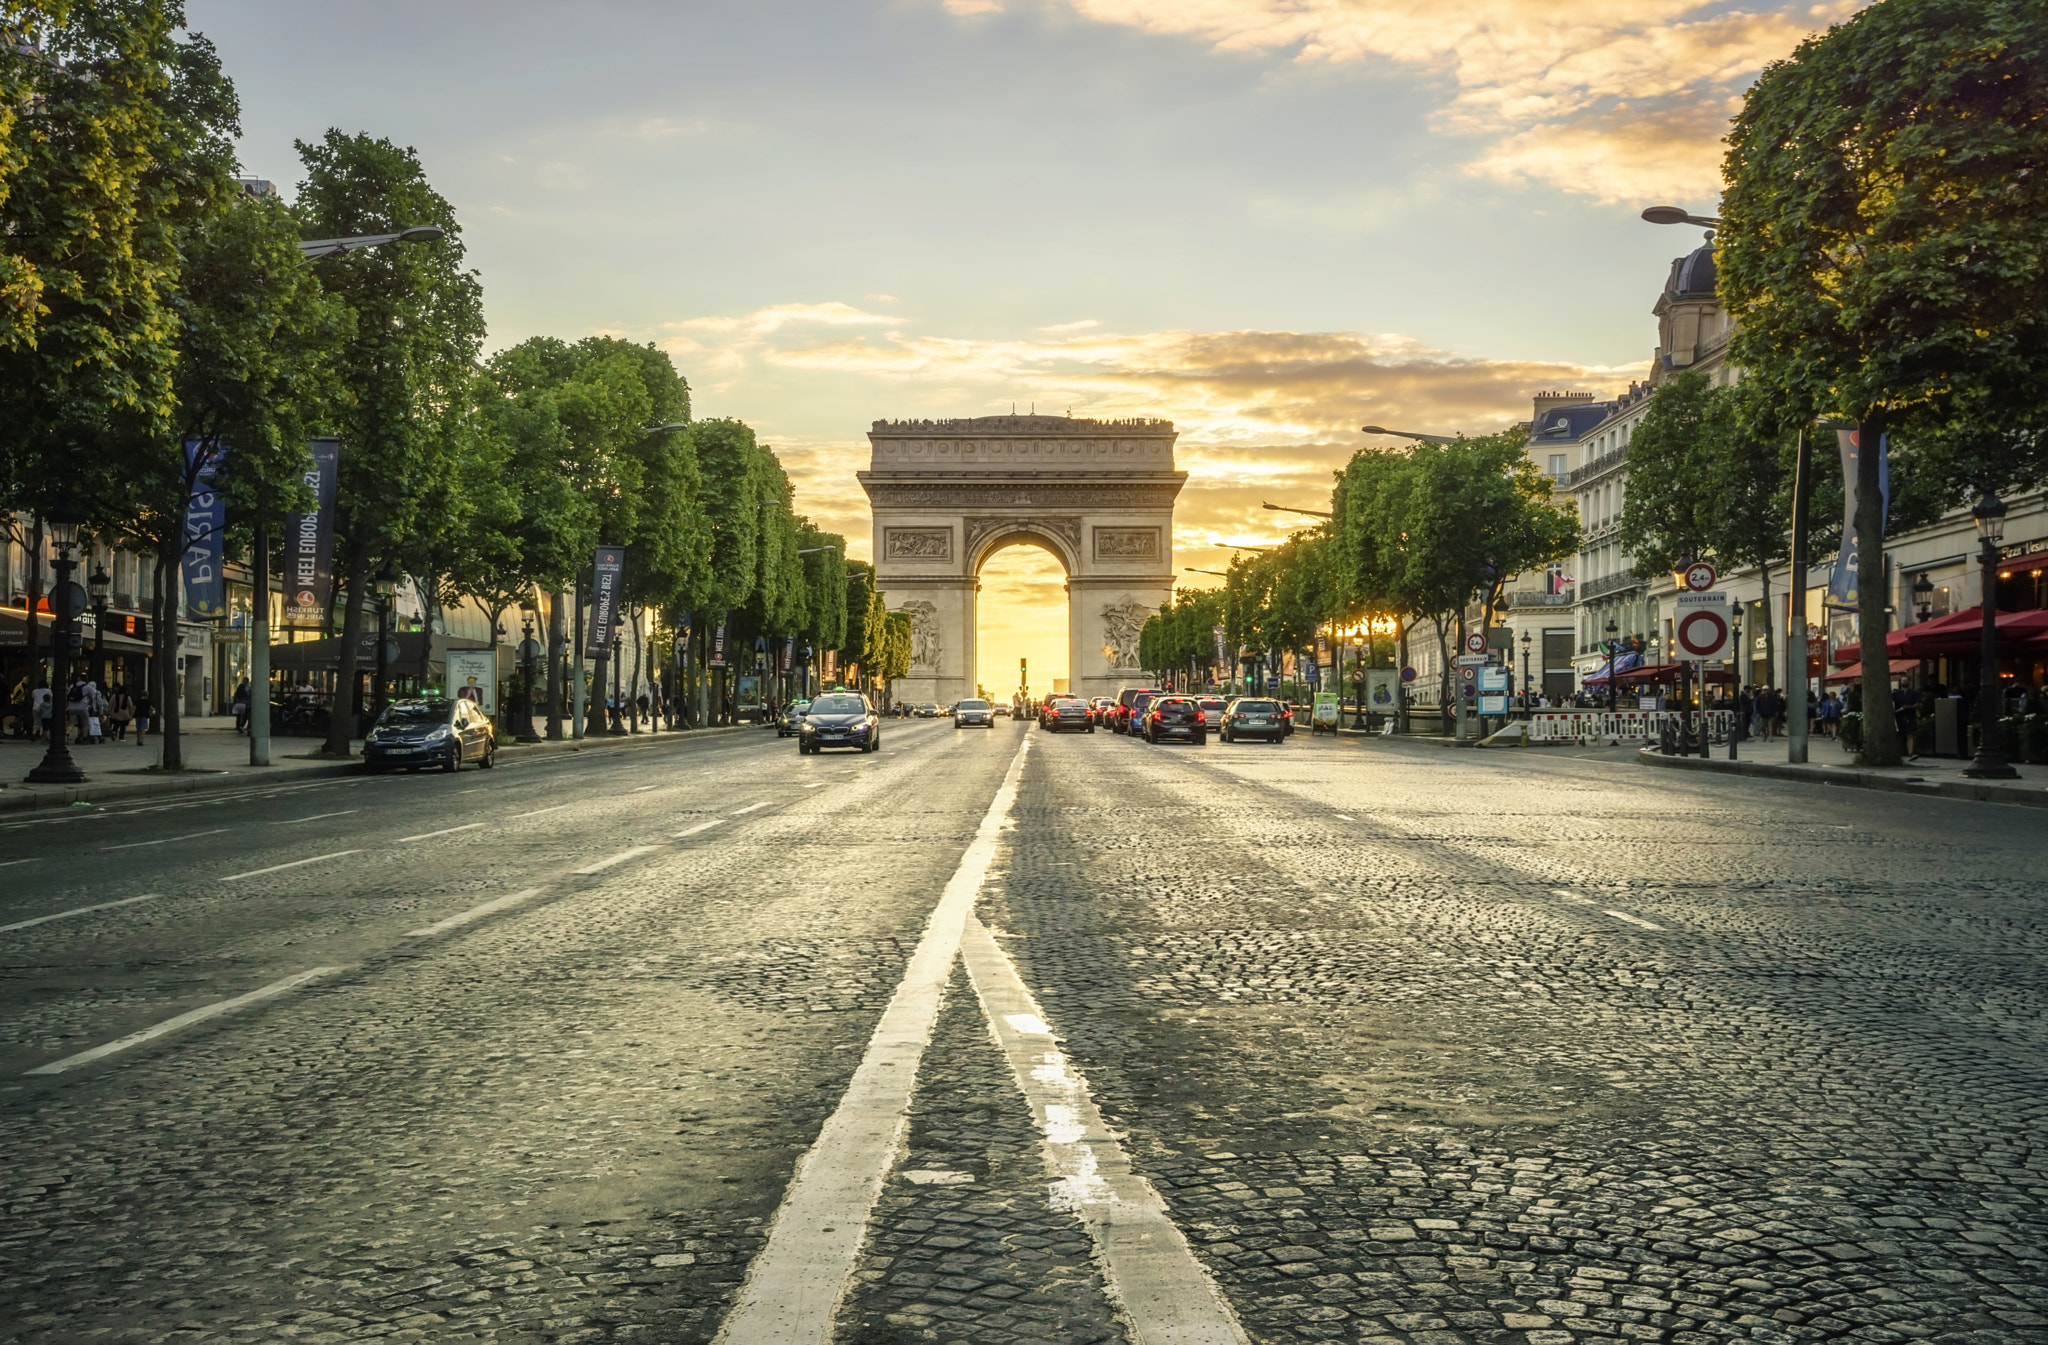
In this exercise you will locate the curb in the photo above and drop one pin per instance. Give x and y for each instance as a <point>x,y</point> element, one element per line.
<point>1973,791</point>
<point>97,791</point>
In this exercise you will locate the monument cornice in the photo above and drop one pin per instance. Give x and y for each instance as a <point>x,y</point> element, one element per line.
<point>900,490</point>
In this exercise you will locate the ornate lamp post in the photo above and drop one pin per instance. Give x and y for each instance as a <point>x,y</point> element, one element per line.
<point>1923,597</point>
<point>529,650</point>
<point>1990,763</point>
<point>618,713</point>
<point>66,601</point>
<point>1528,691</point>
<point>384,586</point>
<point>97,584</point>
<point>1612,631</point>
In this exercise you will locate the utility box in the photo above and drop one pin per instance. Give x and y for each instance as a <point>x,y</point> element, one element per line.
<point>1948,726</point>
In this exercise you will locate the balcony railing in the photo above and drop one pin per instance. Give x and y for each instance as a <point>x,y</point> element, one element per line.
<point>1536,597</point>
<point>1608,583</point>
<point>1596,467</point>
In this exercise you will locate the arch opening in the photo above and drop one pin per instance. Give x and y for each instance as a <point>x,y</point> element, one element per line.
<point>1021,612</point>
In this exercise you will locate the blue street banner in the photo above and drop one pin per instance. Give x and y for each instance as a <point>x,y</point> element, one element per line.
<point>606,569</point>
<point>309,544</point>
<point>1842,579</point>
<point>717,659</point>
<point>206,518</point>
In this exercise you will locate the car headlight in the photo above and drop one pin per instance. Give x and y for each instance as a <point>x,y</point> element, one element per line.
<point>807,727</point>
<point>441,734</point>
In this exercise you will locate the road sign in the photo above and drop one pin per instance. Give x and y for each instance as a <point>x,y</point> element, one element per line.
<point>1494,704</point>
<point>1493,679</point>
<point>1468,674</point>
<point>1699,628</point>
<point>1699,576</point>
<point>1472,660</point>
<point>1475,643</point>
<point>1407,674</point>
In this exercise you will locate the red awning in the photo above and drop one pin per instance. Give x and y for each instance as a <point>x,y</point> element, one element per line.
<point>1962,633</point>
<point>1901,667</point>
<point>1663,672</point>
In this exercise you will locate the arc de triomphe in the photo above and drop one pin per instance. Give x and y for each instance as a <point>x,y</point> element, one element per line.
<point>1097,494</point>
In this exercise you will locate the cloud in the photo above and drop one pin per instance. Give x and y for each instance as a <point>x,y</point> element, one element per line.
<point>767,321</point>
<point>974,6</point>
<point>1582,96</point>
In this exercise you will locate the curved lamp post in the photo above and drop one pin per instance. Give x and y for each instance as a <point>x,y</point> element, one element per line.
<point>1990,763</point>
<point>57,767</point>
<point>1612,631</point>
<point>1528,692</point>
<point>529,650</point>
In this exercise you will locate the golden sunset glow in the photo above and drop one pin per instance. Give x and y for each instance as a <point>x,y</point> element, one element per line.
<point>1022,614</point>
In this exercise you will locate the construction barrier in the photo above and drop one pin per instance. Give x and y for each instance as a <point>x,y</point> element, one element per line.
<point>1563,726</point>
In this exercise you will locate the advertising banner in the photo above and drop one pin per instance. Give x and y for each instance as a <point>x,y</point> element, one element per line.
<point>717,659</point>
<point>1222,655</point>
<point>831,665</point>
<point>1382,694</point>
<point>309,544</point>
<point>473,676</point>
<point>1842,584</point>
<point>605,572</point>
<point>206,517</point>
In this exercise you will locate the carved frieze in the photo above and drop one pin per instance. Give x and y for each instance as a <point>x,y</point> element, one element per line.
<point>918,543</point>
<point>903,495</point>
<point>1127,544</point>
<point>980,529</point>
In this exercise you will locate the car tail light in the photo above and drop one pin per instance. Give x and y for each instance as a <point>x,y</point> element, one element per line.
<point>1201,718</point>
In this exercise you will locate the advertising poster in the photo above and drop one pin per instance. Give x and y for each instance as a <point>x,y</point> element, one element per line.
<point>1328,711</point>
<point>605,572</point>
<point>718,645</point>
<point>206,518</point>
<point>1382,690</point>
<point>309,544</point>
<point>473,676</point>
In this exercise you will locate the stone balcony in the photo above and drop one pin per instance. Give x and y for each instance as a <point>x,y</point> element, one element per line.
<point>1608,583</point>
<point>1523,598</point>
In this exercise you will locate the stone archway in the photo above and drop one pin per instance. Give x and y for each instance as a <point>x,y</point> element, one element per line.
<point>948,494</point>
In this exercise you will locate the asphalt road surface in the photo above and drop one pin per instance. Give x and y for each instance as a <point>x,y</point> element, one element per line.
<point>1007,1036</point>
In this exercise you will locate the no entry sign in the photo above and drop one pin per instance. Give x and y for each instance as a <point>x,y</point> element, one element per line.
<point>1700,628</point>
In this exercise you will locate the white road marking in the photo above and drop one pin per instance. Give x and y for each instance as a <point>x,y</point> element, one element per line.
<point>740,812</point>
<point>473,913</point>
<point>538,811</point>
<point>291,821</point>
<point>444,831</point>
<point>1572,897</point>
<point>33,859</point>
<point>794,1284</point>
<point>701,826</point>
<point>137,845</point>
<point>1147,1265</point>
<point>643,789</point>
<point>79,910</point>
<point>817,785</point>
<point>601,865</point>
<point>198,1015</point>
<point>257,873</point>
<point>1635,920</point>
<point>1345,817</point>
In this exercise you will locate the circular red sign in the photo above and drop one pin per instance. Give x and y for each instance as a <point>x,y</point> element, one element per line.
<point>1703,633</point>
<point>1699,576</point>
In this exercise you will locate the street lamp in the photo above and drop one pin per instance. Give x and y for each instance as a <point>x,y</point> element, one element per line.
<point>66,601</point>
<point>313,248</point>
<point>1288,509</point>
<point>529,649</point>
<point>1671,214</point>
<point>97,584</point>
<point>1990,763</point>
<point>1192,570</point>
<point>1528,700</point>
<point>1612,631</point>
<point>618,707</point>
<point>1923,597</point>
<point>1409,434</point>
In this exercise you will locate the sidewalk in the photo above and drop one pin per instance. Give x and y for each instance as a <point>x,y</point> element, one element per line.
<point>1829,764</point>
<point>216,757</point>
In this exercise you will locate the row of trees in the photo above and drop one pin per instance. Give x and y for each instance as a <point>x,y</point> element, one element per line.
<point>155,315</point>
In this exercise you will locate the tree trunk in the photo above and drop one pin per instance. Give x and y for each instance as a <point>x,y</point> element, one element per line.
<point>639,656</point>
<point>341,720</point>
<point>554,638</point>
<point>1444,687</point>
<point>1880,731</point>
<point>1770,638</point>
<point>168,707</point>
<point>35,595</point>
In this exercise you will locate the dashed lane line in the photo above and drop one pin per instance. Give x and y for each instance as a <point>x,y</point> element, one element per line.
<point>473,913</point>
<point>294,821</point>
<point>79,910</point>
<point>188,836</point>
<point>1344,817</point>
<point>1572,897</point>
<point>608,861</point>
<point>794,1285</point>
<point>1635,920</point>
<point>444,831</point>
<point>32,859</point>
<point>552,808</point>
<point>700,827</point>
<point>1147,1266</point>
<point>752,807</point>
<point>183,1020</point>
<point>296,863</point>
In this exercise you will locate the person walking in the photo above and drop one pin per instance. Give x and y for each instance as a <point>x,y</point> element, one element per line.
<point>40,702</point>
<point>145,710</point>
<point>76,707</point>
<point>240,705</point>
<point>120,711</point>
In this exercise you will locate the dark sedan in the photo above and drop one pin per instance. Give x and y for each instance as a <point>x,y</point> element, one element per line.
<point>1253,717</point>
<point>1065,712</point>
<point>1176,717</point>
<point>415,734</point>
<point>840,719</point>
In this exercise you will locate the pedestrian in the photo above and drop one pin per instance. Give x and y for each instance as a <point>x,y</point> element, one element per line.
<point>120,711</point>
<point>41,702</point>
<point>95,713</point>
<point>240,705</point>
<point>76,708</point>
<point>145,710</point>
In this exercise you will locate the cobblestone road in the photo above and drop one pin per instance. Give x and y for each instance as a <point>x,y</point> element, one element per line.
<point>1416,1046</point>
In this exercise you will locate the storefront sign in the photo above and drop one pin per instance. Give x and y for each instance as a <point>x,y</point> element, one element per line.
<point>605,573</point>
<point>206,517</point>
<point>309,544</point>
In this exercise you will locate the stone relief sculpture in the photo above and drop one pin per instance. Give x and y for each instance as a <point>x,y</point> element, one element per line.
<point>925,645</point>
<point>920,543</point>
<point>1121,624</point>
<point>1127,543</point>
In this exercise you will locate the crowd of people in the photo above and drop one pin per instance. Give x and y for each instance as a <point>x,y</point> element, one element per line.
<point>88,713</point>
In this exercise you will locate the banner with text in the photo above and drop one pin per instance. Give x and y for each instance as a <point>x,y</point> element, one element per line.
<point>717,659</point>
<point>206,517</point>
<point>1842,585</point>
<point>605,573</point>
<point>309,544</point>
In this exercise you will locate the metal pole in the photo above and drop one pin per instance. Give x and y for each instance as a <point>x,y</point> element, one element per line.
<point>1990,763</point>
<point>57,767</point>
<point>1795,623</point>
<point>575,663</point>
<point>259,651</point>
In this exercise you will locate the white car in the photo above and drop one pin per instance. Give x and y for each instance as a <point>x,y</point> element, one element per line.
<point>974,713</point>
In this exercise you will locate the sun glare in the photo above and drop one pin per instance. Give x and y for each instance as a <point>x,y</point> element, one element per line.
<point>1021,614</point>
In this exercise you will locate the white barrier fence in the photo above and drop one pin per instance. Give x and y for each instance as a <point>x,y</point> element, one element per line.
<point>1563,726</point>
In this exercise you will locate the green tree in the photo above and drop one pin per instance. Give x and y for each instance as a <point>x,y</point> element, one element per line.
<point>1885,243</point>
<point>407,366</point>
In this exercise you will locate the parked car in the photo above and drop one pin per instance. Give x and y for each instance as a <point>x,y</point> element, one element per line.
<point>1176,717</point>
<point>1253,717</point>
<point>415,734</point>
<point>840,719</point>
<point>1127,706</point>
<point>1066,712</point>
<point>792,716</point>
<point>974,711</point>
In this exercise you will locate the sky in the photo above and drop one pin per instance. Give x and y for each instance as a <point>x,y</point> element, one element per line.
<point>1269,221</point>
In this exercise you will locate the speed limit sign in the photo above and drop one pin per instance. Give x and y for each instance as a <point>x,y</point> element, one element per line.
<point>1700,628</point>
